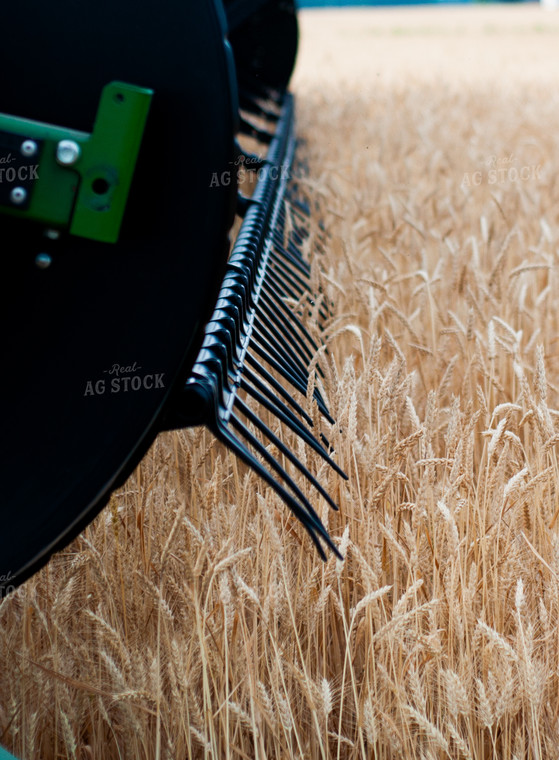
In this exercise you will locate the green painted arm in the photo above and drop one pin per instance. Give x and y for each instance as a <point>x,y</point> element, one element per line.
<point>80,182</point>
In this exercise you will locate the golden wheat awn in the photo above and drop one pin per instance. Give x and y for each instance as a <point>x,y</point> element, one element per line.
<point>193,620</point>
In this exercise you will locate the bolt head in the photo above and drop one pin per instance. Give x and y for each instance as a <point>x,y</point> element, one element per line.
<point>43,260</point>
<point>67,152</point>
<point>18,195</point>
<point>29,148</point>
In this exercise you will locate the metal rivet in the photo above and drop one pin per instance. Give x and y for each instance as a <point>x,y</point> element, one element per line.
<point>43,260</point>
<point>29,148</point>
<point>18,195</point>
<point>67,152</point>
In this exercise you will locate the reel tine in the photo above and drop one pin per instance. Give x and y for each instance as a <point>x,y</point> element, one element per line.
<point>246,127</point>
<point>275,385</point>
<point>267,333</point>
<point>285,280</point>
<point>287,325</point>
<point>259,447</point>
<point>248,102</point>
<point>293,255</point>
<point>223,433</point>
<point>298,383</point>
<point>291,262</point>
<point>265,430</point>
<point>270,293</point>
<point>266,317</point>
<point>266,352</point>
<point>274,408</point>
<point>296,283</point>
<point>290,361</point>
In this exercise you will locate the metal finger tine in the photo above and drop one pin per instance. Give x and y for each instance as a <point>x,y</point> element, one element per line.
<point>265,430</point>
<point>252,104</point>
<point>295,261</point>
<point>297,344</point>
<point>294,244</point>
<point>278,387</point>
<point>270,292</point>
<point>296,426</point>
<point>284,281</point>
<point>290,365</point>
<point>280,269</point>
<point>255,341</point>
<point>276,406</point>
<point>285,288</point>
<point>298,382</point>
<point>299,229</point>
<point>287,325</point>
<point>231,441</point>
<point>279,366</point>
<point>291,362</point>
<point>285,371</point>
<point>259,447</point>
<point>291,241</point>
<point>280,349</point>
<point>246,127</point>
<point>270,285</point>
<point>297,282</point>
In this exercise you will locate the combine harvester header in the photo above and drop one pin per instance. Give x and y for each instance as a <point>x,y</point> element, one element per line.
<point>127,310</point>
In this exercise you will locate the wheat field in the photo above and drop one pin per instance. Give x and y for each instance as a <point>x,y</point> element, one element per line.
<point>192,619</point>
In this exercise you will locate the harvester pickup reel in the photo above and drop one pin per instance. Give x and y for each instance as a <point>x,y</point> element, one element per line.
<point>127,311</point>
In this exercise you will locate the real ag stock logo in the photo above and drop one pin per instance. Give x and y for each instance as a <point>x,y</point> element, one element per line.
<point>124,379</point>
<point>502,170</point>
<point>11,174</point>
<point>5,587</point>
<point>248,167</point>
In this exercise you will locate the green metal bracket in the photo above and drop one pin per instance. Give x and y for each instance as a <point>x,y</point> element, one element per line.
<point>79,182</point>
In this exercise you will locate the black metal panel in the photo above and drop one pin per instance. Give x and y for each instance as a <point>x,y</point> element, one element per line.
<point>264,37</point>
<point>68,331</point>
